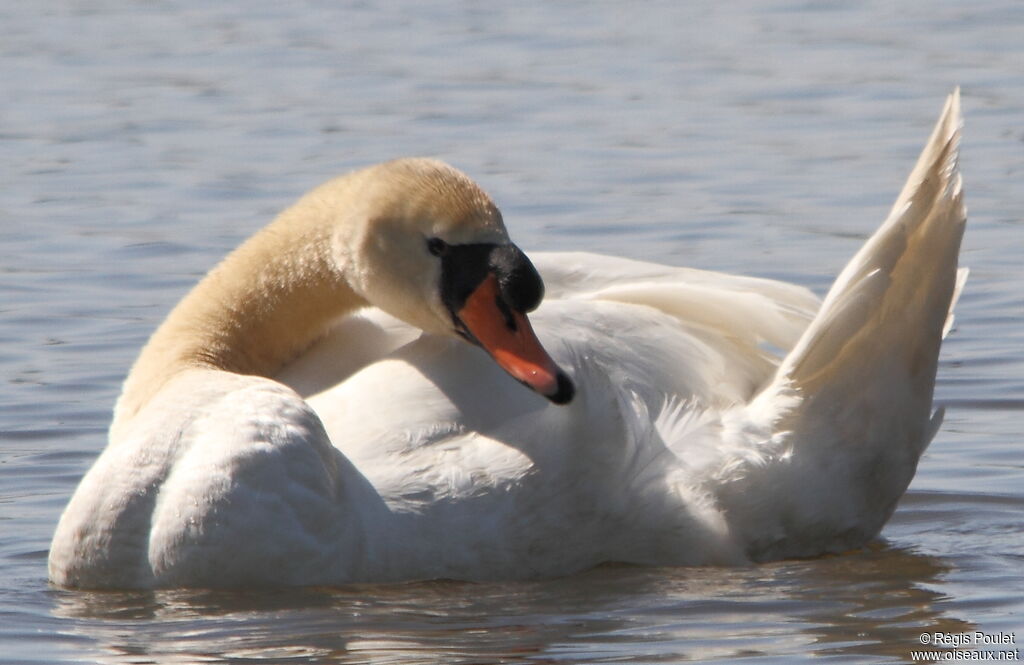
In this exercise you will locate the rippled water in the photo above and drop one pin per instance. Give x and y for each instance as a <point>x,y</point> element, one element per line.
<point>141,141</point>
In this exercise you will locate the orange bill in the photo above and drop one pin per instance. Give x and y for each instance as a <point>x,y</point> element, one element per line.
<point>508,336</point>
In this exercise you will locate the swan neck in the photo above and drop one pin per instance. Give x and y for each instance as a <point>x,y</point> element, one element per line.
<point>260,307</point>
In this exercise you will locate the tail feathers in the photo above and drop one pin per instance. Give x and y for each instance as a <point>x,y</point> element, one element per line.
<point>849,410</point>
<point>961,280</point>
<point>893,301</point>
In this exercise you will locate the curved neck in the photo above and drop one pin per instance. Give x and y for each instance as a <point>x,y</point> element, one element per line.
<point>265,303</point>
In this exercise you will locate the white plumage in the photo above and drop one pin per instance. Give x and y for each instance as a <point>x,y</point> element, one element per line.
<point>368,451</point>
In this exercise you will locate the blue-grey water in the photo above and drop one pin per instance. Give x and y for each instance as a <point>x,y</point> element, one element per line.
<point>140,141</point>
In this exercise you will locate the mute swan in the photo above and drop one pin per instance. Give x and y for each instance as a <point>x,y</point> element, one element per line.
<point>289,423</point>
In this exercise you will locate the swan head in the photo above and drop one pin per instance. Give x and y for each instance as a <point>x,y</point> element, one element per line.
<point>423,242</point>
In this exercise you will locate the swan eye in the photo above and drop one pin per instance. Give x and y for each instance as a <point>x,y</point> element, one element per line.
<point>437,247</point>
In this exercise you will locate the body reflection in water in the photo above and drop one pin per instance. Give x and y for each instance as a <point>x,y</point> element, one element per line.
<point>875,602</point>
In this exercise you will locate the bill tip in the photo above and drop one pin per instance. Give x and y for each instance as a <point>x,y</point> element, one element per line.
<point>565,389</point>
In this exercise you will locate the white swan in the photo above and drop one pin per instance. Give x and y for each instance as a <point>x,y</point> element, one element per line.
<point>276,430</point>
